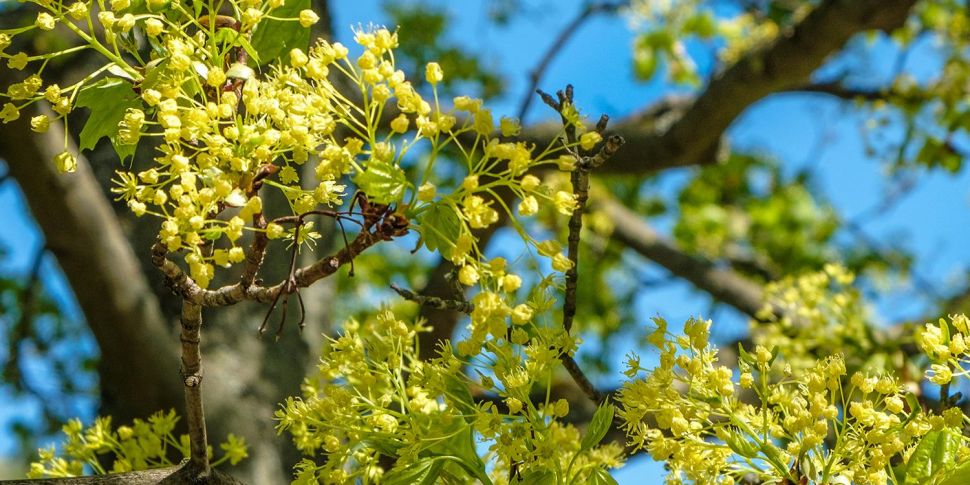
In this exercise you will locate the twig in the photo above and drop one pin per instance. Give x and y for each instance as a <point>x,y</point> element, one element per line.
<point>389,226</point>
<point>435,302</point>
<point>580,182</point>
<point>567,32</point>
<point>167,475</point>
<point>191,337</point>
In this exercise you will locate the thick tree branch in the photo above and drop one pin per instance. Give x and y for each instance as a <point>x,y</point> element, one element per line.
<point>782,64</point>
<point>191,337</point>
<point>722,283</point>
<point>83,233</point>
<point>159,476</point>
<point>841,91</point>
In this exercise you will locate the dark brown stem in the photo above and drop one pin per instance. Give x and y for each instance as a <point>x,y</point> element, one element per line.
<point>572,367</point>
<point>580,181</point>
<point>254,260</point>
<point>191,337</point>
<point>188,289</point>
<point>172,475</point>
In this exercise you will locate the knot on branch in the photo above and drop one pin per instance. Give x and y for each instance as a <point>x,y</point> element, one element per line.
<point>192,380</point>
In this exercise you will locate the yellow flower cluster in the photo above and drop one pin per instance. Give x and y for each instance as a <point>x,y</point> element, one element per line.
<point>226,131</point>
<point>372,396</point>
<point>143,445</point>
<point>815,314</point>
<point>945,344</point>
<point>709,427</point>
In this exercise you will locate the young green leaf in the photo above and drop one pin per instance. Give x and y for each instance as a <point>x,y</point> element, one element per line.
<point>598,426</point>
<point>536,477</point>
<point>383,182</point>
<point>108,100</point>
<point>424,471</point>
<point>935,452</point>
<point>440,227</point>
<point>274,38</point>
<point>600,476</point>
<point>958,476</point>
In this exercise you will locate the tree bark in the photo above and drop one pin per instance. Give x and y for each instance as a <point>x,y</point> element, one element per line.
<point>159,476</point>
<point>136,343</point>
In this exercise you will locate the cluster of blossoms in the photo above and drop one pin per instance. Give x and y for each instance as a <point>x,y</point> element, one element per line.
<point>306,127</point>
<point>812,315</point>
<point>373,396</point>
<point>143,445</point>
<point>224,131</point>
<point>945,344</point>
<point>818,424</point>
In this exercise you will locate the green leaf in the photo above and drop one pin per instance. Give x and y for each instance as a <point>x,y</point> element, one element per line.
<point>461,448</point>
<point>424,471</point>
<point>385,446</point>
<point>108,99</point>
<point>744,355</point>
<point>273,38</point>
<point>914,408</point>
<point>600,476</point>
<point>959,476</point>
<point>249,48</point>
<point>383,182</point>
<point>459,396</point>
<point>536,477</point>
<point>598,426</point>
<point>935,452</point>
<point>440,227</point>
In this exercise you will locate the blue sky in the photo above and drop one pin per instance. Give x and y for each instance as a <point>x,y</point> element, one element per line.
<point>932,220</point>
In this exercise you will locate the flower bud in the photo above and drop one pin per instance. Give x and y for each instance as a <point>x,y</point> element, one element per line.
<point>433,73</point>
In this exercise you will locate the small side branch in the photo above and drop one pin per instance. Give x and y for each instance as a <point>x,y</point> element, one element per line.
<point>580,182</point>
<point>191,337</point>
<point>160,476</point>
<point>435,302</point>
<point>585,162</point>
<point>183,285</point>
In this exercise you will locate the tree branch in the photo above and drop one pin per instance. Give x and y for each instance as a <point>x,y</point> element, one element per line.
<point>81,230</point>
<point>722,283</point>
<point>841,91</point>
<point>586,161</point>
<point>191,338</point>
<point>786,62</point>
<point>189,290</point>
<point>173,475</point>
